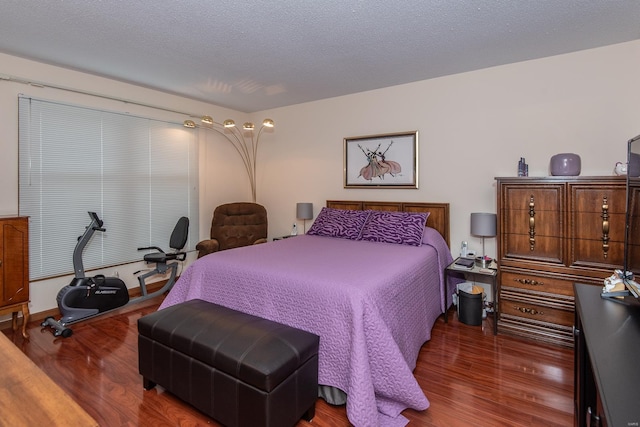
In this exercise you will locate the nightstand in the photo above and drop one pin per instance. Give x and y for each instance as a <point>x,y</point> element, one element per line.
<point>284,237</point>
<point>475,273</point>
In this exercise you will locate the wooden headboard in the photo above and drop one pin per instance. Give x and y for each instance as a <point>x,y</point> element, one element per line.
<point>438,212</point>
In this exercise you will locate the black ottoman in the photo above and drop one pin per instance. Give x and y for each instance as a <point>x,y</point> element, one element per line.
<point>239,369</point>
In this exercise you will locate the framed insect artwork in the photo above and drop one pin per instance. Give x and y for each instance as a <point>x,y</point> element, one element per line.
<point>375,161</point>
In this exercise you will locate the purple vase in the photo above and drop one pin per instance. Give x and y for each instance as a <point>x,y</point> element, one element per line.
<point>565,164</point>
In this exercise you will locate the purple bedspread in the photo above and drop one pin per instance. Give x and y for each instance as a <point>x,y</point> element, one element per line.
<point>372,304</point>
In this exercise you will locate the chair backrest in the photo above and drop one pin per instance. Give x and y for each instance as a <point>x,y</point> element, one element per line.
<point>238,224</point>
<point>180,234</point>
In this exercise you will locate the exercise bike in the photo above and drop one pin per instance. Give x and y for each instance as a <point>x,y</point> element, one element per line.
<point>87,297</point>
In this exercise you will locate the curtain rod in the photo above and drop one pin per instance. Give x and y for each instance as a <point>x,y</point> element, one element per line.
<point>33,83</point>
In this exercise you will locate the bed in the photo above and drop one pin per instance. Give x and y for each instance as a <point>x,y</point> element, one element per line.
<point>373,303</point>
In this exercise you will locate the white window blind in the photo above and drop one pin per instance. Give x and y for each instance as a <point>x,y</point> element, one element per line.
<point>140,175</point>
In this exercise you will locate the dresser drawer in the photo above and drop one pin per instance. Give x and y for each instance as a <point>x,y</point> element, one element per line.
<point>530,329</point>
<point>592,226</point>
<point>540,248</point>
<point>525,280</point>
<point>596,253</point>
<point>536,315</point>
<point>537,306</point>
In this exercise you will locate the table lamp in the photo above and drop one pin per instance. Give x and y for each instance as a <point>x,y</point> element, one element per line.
<point>483,225</point>
<point>304,211</point>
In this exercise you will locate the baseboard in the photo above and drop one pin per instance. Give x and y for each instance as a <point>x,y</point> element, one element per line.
<point>54,312</point>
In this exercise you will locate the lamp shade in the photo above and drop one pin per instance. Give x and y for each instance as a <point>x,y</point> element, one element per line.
<point>304,210</point>
<point>483,224</point>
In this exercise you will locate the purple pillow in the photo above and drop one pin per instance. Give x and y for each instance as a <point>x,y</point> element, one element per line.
<point>404,228</point>
<point>342,223</point>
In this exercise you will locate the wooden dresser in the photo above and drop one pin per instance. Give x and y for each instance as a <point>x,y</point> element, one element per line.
<point>553,232</point>
<point>14,268</point>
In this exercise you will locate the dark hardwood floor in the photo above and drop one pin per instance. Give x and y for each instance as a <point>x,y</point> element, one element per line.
<point>471,377</point>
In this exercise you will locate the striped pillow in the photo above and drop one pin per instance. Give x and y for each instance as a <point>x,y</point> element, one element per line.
<point>404,228</point>
<point>342,223</point>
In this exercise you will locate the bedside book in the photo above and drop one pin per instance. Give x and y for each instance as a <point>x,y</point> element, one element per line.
<point>464,263</point>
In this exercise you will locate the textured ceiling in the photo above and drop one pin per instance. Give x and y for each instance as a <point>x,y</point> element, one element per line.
<point>252,55</point>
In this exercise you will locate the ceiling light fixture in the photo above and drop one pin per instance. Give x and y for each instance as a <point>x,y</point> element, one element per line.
<point>242,140</point>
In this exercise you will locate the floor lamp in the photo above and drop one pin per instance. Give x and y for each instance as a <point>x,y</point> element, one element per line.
<point>483,225</point>
<point>304,211</point>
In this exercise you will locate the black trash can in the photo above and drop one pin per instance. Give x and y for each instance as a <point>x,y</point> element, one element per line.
<point>470,308</point>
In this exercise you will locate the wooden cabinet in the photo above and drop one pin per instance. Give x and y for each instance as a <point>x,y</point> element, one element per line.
<point>553,232</point>
<point>532,223</point>
<point>597,224</point>
<point>14,268</point>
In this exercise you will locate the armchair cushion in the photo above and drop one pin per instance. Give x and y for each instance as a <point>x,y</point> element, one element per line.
<point>207,247</point>
<point>234,225</point>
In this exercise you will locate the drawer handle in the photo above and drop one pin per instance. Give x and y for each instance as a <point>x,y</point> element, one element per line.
<point>605,227</point>
<point>593,420</point>
<point>529,282</point>
<point>532,223</point>
<point>528,310</point>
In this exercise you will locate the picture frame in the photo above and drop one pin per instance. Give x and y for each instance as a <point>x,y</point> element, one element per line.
<point>381,161</point>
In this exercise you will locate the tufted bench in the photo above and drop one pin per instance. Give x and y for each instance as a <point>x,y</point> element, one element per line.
<point>239,369</point>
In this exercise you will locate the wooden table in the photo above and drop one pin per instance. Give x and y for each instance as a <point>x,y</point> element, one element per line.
<point>28,397</point>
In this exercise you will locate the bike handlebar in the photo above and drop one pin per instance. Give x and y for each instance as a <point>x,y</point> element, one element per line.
<point>94,218</point>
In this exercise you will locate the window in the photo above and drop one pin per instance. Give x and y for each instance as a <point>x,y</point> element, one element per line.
<point>140,175</point>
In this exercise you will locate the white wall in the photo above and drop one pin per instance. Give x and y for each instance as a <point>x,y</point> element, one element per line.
<point>472,127</point>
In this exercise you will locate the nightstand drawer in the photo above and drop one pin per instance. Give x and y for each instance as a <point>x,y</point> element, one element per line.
<point>526,280</point>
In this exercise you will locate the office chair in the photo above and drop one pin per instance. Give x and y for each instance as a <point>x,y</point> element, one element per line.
<point>161,258</point>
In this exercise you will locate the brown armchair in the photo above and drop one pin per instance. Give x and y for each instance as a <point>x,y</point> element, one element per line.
<point>234,225</point>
